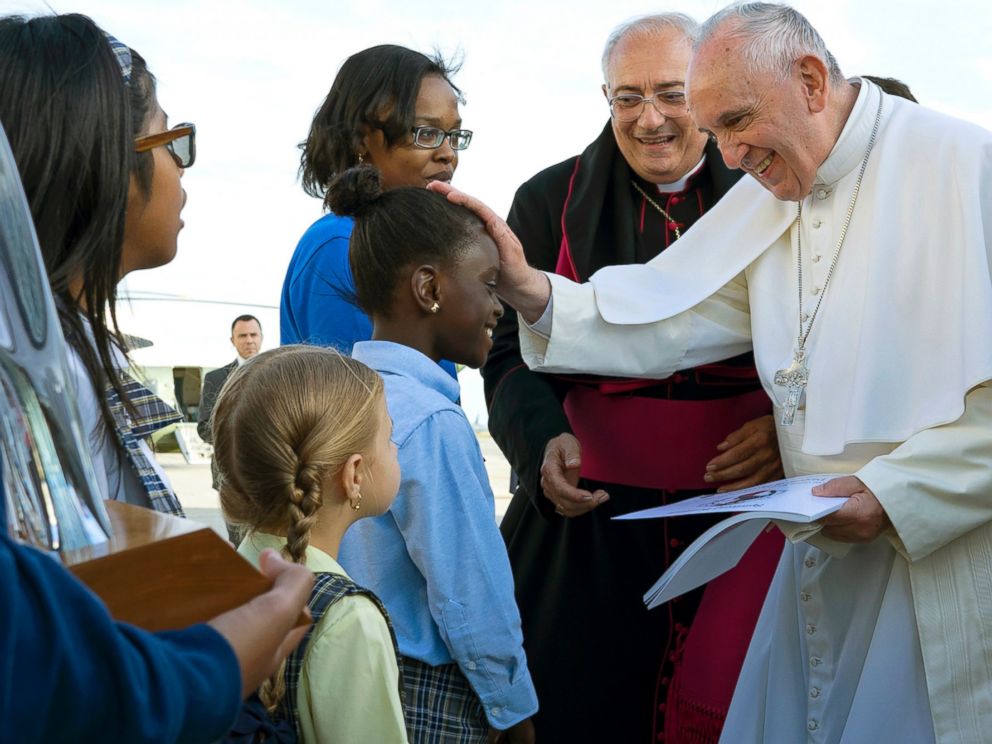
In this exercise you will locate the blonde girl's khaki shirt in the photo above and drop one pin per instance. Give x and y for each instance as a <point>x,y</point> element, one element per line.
<point>349,687</point>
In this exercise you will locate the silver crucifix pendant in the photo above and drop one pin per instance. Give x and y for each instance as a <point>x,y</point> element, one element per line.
<point>793,379</point>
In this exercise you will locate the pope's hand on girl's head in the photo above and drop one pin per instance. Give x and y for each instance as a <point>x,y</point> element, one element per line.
<point>524,288</point>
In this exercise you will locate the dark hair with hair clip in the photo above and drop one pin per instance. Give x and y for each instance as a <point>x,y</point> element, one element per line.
<point>141,96</point>
<point>71,122</point>
<point>395,230</point>
<point>376,88</point>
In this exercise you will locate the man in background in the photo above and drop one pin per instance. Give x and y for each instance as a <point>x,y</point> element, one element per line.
<point>246,337</point>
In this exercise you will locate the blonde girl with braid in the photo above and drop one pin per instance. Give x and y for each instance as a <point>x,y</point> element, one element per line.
<point>302,443</point>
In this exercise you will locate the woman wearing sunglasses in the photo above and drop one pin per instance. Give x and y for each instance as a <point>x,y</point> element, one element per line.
<point>98,219</point>
<point>393,108</point>
<point>101,171</point>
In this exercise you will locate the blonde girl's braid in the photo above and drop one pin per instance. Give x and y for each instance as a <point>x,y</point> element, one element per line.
<point>283,423</point>
<point>304,501</point>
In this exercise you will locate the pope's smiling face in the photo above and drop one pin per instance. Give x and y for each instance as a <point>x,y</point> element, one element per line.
<point>658,148</point>
<point>764,125</point>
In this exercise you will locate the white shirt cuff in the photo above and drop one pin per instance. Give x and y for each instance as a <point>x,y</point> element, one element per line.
<point>542,326</point>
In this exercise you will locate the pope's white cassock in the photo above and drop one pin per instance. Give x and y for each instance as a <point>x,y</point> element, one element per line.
<point>889,641</point>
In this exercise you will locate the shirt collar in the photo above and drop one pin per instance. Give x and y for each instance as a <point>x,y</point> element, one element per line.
<point>317,560</point>
<point>682,183</point>
<point>849,150</point>
<point>391,358</point>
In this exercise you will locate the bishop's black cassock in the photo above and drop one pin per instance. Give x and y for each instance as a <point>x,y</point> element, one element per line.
<point>607,669</point>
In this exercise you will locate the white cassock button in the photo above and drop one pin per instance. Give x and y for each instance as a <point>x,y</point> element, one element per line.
<point>809,562</point>
<point>815,692</point>
<point>817,223</point>
<point>812,725</point>
<point>805,317</point>
<point>816,289</point>
<point>815,661</point>
<point>805,597</point>
<point>810,629</point>
<point>816,258</point>
<point>822,193</point>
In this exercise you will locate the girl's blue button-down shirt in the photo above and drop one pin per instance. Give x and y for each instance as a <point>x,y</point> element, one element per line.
<point>436,558</point>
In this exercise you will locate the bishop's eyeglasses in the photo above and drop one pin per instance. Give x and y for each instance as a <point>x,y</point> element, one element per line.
<point>628,107</point>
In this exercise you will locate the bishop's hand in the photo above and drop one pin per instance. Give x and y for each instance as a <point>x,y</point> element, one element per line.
<point>560,478</point>
<point>748,457</point>
<point>861,519</point>
<point>526,289</point>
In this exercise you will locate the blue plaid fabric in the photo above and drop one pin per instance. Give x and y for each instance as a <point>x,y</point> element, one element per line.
<point>440,705</point>
<point>153,414</point>
<point>123,54</point>
<point>328,588</point>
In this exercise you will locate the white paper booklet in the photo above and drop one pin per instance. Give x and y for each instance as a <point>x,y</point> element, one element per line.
<point>721,547</point>
<point>790,499</point>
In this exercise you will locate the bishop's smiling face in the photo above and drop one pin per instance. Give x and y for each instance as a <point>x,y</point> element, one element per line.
<point>659,149</point>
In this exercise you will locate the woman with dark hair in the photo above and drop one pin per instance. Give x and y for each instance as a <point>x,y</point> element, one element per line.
<point>101,209</point>
<point>395,109</point>
<point>76,107</point>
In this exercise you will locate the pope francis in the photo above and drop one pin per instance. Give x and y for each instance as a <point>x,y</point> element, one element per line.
<point>857,263</point>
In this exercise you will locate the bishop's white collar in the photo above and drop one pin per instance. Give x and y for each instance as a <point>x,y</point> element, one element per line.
<point>677,186</point>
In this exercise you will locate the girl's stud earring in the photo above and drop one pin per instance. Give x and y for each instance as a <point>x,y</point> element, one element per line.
<point>435,307</point>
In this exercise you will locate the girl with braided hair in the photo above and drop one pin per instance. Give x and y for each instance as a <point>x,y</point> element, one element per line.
<point>302,443</point>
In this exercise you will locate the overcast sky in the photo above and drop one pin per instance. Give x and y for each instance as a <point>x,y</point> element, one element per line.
<point>250,75</point>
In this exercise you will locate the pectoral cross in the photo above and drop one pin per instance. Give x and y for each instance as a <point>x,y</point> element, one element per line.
<point>793,379</point>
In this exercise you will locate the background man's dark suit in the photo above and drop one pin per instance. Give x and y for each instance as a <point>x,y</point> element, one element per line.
<point>212,384</point>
